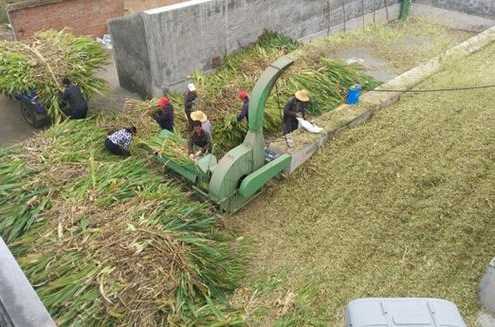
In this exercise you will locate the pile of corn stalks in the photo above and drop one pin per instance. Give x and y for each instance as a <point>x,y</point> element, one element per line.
<point>327,81</point>
<point>111,242</point>
<point>42,62</point>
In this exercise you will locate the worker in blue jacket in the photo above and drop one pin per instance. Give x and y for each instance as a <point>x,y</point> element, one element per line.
<point>73,98</point>
<point>165,115</point>
<point>244,114</point>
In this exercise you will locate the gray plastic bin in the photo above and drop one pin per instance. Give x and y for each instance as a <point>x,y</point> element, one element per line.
<point>403,312</point>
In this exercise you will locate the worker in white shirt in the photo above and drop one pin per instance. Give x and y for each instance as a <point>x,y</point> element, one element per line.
<point>205,123</point>
<point>118,142</point>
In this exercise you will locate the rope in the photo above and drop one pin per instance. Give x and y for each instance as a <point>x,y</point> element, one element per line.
<point>454,89</point>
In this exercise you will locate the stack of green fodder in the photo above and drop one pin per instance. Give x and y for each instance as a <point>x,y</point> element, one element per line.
<point>40,63</point>
<point>327,81</point>
<point>109,241</point>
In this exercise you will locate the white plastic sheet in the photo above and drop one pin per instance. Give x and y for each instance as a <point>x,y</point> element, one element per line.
<point>312,128</point>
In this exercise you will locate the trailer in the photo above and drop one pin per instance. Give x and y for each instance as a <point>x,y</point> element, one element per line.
<point>32,110</point>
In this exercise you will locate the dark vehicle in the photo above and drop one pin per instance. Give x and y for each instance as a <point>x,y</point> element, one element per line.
<point>32,110</point>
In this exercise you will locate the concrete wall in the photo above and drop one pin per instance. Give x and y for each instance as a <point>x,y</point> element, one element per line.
<point>134,6</point>
<point>484,8</point>
<point>84,17</point>
<point>195,35</point>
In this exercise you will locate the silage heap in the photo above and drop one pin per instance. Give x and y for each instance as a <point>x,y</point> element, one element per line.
<point>41,63</point>
<point>110,242</point>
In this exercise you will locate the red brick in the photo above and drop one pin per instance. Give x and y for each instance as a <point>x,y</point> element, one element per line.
<point>83,17</point>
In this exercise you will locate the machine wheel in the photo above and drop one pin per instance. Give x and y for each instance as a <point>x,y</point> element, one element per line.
<point>32,117</point>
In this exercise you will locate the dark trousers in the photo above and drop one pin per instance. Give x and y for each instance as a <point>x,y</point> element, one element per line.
<point>189,120</point>
<point>115,149</point>
<point>290,126</point>
<point>79,113</point>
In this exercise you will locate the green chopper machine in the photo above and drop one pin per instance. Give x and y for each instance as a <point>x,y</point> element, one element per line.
<point>239,176</point>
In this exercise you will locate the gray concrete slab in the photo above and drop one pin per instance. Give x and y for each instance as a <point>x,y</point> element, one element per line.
<point>114,100</point>
<point>13,128</point>
<point>20,306</point>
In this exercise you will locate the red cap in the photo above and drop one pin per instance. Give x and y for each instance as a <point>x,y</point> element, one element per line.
<point>163,102</point>
<point>243,95</point>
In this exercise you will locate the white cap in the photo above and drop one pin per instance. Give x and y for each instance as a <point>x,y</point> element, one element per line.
<point>191,87</point>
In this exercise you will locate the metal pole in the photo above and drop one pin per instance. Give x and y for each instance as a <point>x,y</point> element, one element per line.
<point>20,306</point>
<point>343,11</point>
<point>329,17</point>
<point>386,10</point>
<point>374,12</point>
<point>405,9</point>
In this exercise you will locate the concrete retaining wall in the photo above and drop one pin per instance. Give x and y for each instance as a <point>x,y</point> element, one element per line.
<point>473,7</point>
<point>134,6</point>
<point>195,35</point>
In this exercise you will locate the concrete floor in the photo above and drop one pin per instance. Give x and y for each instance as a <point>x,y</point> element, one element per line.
<point>375,67</point>
<point>13,128</point>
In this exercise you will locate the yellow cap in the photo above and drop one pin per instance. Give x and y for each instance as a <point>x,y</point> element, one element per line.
<point>302,95</point>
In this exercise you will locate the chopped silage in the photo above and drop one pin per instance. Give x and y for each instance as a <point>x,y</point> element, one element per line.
<point>402,206</point>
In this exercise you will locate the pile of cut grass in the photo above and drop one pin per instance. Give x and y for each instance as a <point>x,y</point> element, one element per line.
<point>401,206</point>
<point>107,241</point>
<point>327,80</point>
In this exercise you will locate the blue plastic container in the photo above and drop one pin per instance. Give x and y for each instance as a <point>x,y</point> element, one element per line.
<point>353,94</point>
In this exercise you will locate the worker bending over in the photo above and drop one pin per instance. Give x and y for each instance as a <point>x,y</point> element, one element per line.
<point>205,123</point>
<point>296,108</point>
<point>199,142</point>
<point>72,96</point>
<point>118,142</point>
<point>190,98</point>
<point>244,114</point>
<point>165,114</point>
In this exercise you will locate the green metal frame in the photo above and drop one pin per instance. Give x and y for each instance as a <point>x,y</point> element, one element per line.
<point>241,173</point>
<point>190,172</point>
<point>405,9</point>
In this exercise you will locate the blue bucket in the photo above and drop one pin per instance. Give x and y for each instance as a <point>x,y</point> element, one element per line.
<point>353,94</point>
